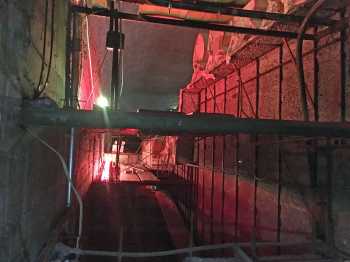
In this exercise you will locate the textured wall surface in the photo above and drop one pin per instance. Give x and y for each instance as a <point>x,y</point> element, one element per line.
<point>272,191</point>
<point>88,158</point>
<point>32,185</point>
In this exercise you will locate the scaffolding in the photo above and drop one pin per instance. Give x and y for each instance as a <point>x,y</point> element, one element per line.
<point>240,130</point>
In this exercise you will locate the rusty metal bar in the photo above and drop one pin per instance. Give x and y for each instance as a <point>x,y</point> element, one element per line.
<point>68,66</point>
<point>236,160</point>
<point>237,246</point>
<point>213,139</point>
<point>232,11</point>
<point>223,169</point>
<point>316,77</point>
<point>204,164</point>
<point>330,197</point>
<point>191,24</point>
<point>115,82</point>
<point>216,27</point>
<point>177,123</point>
<point>286,18</point>
<point>197,176</point>
<point>280,170</point>
<point>343,69</point>
<point>255,141</point>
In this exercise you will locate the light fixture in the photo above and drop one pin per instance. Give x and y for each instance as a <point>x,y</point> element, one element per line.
<point>115,40</point>
<point>102,102</point>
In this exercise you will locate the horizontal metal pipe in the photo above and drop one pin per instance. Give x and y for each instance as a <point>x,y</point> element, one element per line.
<point>231,11</point>
<point>201,123</point>
<point>189,23</point>
<point>224,28</point>
<point>184,250</point>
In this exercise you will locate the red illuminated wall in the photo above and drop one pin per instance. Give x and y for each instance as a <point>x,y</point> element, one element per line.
<point>266,187</point>
<point>88,158</point>
<point>94,61</point>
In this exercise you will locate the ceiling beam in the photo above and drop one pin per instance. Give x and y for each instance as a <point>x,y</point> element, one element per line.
<point>188,23</point>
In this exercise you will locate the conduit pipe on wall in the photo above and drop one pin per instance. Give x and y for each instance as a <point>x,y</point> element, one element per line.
<point>70,165</point>
<point>178,123</point>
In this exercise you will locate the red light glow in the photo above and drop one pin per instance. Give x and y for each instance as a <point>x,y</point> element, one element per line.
<point>108,167</point>
<point>108,160</point>
<point>89,88</point>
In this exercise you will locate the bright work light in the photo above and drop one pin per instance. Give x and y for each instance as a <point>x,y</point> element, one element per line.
<point>102,102</point>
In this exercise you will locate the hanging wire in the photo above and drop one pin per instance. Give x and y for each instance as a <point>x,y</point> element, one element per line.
<point>295,63</point>
<point>66,173</point>
<point>89,56</point>
<point>44,50</point>
<point>38,91</point>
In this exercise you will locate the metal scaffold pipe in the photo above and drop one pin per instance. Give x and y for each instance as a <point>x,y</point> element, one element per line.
<point>178,123</point>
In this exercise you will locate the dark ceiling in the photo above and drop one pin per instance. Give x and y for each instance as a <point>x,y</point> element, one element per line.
<point>157,62</point>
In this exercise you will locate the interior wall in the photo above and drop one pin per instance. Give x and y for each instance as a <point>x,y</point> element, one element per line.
<point>88,158</point>
<point>32,186</point>
<point>272,191</point>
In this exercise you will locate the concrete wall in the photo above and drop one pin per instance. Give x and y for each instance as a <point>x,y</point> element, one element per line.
<point>272,192</point>
<point>32,185</point>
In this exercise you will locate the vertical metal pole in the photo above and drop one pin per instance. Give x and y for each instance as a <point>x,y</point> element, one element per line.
<point>182,101</point>
<point>191,234</point>
<point>316,77</point>
<point>196,202</point>
<point>213,174</point>
<point>120,246</point>
<point>223,171</point>
<point>343,68</point>
<point>204,161</point>
<point>313,156</point>
<point>330,163</point>
<point>90,156</point>
<point>68,58</point>
<point>199,102</point>
<point>198,168</point>
<point>119,145</point>
<point>75,61</point>
<point>236,161</point>
<point>279,174</point>
<point>192,206</point>
<point>69,100</point>
<point>254,147</point>
<point>186,169</point>
<point>70,166</point>
<point>240,94</point>
<point>115,67</point>
<point>93,159</point>
<point>257,100</point>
